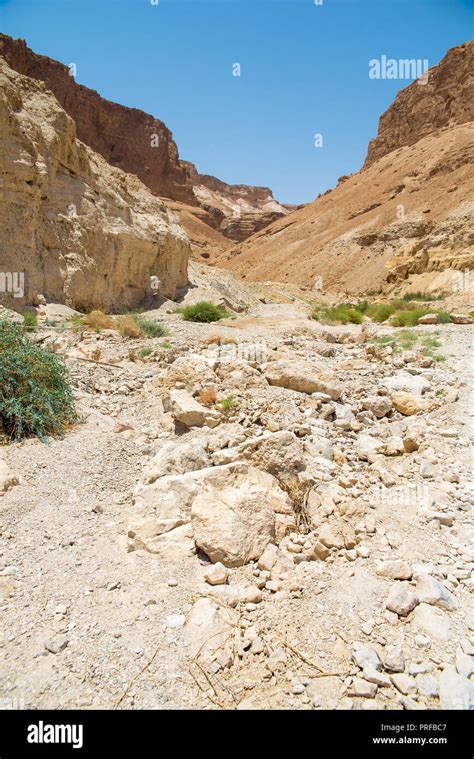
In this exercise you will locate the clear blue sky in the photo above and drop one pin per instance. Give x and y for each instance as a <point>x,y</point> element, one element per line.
<point>304,70</point>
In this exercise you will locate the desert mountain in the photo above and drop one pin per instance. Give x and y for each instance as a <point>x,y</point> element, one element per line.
<point>85,233</point>
<point>237,210</point>
<point>405,216</point>
<point>140,144</point>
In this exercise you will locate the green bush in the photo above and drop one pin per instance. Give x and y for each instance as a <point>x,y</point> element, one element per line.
<point>150,328</point>
<point>35,393</point>
<point>380,312</point>
<point>144,352</point>
<point>203,312</point>
<point>427,297</point>
<point>344,313</point>
<point>228,403</point>
<point>30,319</point>
<point>409,318</point>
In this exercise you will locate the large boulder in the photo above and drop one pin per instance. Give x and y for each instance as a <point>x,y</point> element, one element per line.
<point>237,513</point>
<point>408,404</point>
<point>186,410</point>
<point>302,377</point>
<point>231,512</point>
<point>177,458</point>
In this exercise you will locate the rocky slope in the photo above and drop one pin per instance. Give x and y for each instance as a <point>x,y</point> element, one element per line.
<point>83,232</point>
<point>407,213</point>
<point>142,145</point>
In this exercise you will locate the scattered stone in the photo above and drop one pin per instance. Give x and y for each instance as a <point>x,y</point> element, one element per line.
<point>427,686</point>
<point>302,377</point>
<point>395,569</point>
<point>401,600</point>
<point>431,591</point>
<point>57,644</point>
<point>394,661</point>
<point>403,683</point>
<point>455,691</point>
<point>366,656</point>
<point>186,410</point>
<point>364,688</point>
<point>216,574</point>
<point>432,621</point>
<point>408,404</point>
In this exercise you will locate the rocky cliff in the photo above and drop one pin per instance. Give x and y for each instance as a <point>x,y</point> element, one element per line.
<point>142,145</point>
<point>83,233</point>
<point>408,212</point>
<point>126,137</point>
<point>420,109</point>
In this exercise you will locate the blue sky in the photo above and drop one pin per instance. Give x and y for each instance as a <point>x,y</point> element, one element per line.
<point>304,70</point>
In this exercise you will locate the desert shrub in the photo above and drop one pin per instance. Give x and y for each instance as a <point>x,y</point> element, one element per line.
<point>35,392</point>
<point>344,313</point>
<point>149,327</point>
<point>30,319</point>
<point>217,338</point>
<point>409,317</point>
<point>207,396</point>
<point>228,403</point>
<point>144,352</point>
<point>128,326</point>
<point>203,312</point>
<point>380,312</point>
<point>97,320</point>
<point>426,297</point>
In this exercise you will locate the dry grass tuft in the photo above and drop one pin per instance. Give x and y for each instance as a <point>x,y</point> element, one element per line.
<point>207,396</point>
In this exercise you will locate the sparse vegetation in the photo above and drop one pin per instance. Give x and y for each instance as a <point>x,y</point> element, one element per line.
<point>145,352</point>
<point>96,320</point>
<point>35,392</point>
<point>204,311</point>
<point>207,396</point>
<point>150,327</point>
<point>30,319</point>
<point>228,403</point>
<point>407,340</point>
<point>342,314</point>
<point>425,297</point>
<point>129,325</point>
<point>401,313</point>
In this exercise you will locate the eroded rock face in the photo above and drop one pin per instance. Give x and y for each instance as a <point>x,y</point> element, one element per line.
<point>228,211</point>
<point>83,233</point>
<point>420,108</point>
<point>157,165</point>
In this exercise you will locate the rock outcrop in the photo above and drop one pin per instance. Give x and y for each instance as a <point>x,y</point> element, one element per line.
<point>405,216</point>
<point>82,232</point>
